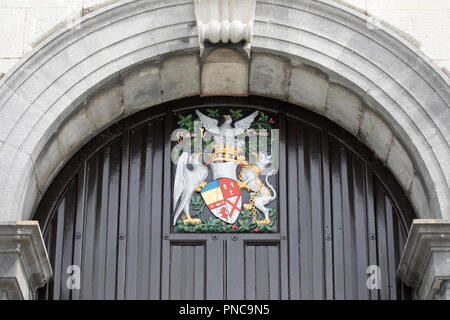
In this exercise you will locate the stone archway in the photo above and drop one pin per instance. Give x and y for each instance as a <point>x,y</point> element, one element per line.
<point>323,55</point>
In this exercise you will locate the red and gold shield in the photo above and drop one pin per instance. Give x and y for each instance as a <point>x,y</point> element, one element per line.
<point>223,198</point>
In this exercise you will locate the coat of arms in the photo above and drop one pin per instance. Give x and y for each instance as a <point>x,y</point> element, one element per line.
<point>233,190</point>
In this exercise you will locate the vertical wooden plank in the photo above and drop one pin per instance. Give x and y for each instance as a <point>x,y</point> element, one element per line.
<point>371,225</point>
<point>59,225</point>
<point>216,269</point>
<point>380,212</point>
<point>68,237</point>
<point>113,219</point>
<point>90,228</point>
<point>235,270</point>
<point>262,272</point>
<point>293,220</point>
<point>187,277</point>
<point>157,213</point>
<point>199,272</point>
<point>273,262</point>
<point>327,218</point>
<point>46,292</point>
<point>123,216</point>
<point>361,238</point>
<point>175,272</point>
<point>79,225</point>
<point>51,246</point>
<point>133,213</point>
<point>391,255</point>
<point>188,271</point>
<point>348,225</point>
<point>250,272</point>
<point>145,203</point>
<point>403,292</point>
<point>166,206</point>
<point>101,226</point>
<point>317,213</point>
<point>51,251</point>
<point>282,211</point>
<point>338,241</point>
<point>304,224</point>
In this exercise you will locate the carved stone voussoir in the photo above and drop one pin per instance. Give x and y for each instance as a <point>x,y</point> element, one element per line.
<point>225,21</point>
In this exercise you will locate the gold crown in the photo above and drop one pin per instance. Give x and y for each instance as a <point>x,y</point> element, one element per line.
<point>226,153</point>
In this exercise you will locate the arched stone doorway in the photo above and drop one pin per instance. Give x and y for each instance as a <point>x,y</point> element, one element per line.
<point>367,80</point>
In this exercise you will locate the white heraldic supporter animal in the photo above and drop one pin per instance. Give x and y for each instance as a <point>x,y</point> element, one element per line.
<point>186,182</point>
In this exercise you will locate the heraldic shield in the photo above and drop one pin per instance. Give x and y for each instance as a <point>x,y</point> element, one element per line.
<point>223,198</point>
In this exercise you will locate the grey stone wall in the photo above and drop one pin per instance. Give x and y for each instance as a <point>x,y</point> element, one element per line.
<point>26,23</point>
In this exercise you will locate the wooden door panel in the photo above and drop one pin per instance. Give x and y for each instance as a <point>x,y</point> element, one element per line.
<point>262,271</point>
<point>109,212</point>
<point>187,271</point>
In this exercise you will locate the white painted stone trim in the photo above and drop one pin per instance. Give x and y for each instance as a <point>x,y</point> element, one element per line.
<point>24,263</point>
<point>45,118</point>
<point>425,264</point>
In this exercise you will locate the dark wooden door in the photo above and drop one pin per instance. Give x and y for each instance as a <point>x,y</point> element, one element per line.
<point>109,212</point>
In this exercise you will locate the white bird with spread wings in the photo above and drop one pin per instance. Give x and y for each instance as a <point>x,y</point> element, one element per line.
<point>186,183</point>
<point>226,134</point>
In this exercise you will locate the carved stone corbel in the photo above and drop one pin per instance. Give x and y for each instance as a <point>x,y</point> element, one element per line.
<point>24,263</point>
<point>425,264</point>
